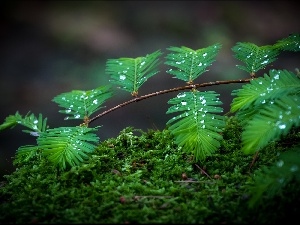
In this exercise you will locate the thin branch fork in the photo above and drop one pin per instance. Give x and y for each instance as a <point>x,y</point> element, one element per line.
<point>191,86</point>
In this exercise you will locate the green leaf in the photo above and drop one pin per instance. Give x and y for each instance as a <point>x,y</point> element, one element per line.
<point>67,144</point>
<point>265,89</point>
<point>10,121</point>
<point>271,180</point>
<point>268,124</point>
<point>25,153</point>
<point>36,125</point>
<point>255,58</point>
<point>197,128</point>
<point>81,104</point>
<point>190,64</point>
<point>291,43</point>
<point>132,73</point>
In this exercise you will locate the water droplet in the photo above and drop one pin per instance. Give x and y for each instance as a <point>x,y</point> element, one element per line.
<point>122,77</point>
<point>281,180</point>
<point>280,163</point>
<point>95,101</point>
<point>183,103</point>
<point>36,134</point>
<point>294,168</point>
<point>181,95</point>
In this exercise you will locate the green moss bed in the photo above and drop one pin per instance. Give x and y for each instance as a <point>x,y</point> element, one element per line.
<point>143,177</point>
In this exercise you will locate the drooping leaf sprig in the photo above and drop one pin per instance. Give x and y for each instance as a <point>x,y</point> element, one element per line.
<point>68,145</point>
<point>197,127</point>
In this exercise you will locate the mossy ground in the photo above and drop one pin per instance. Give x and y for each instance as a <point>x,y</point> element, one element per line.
<point>143,177</point>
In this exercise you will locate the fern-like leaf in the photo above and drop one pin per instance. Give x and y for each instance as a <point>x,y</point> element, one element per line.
<point>272,121</point>
<point>255,58</point>
<point>25,153</point>
<point>67,144</point>
<point>35,124</point>
<point>132,73</point>
<point>271,180</point>
<point>267,88</point>
<point>197,128</point>
<point>81,104</point>
<point>291,43</point>
<point>190,64</point>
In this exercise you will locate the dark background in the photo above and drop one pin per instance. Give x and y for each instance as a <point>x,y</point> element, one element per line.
<point>51,47</point>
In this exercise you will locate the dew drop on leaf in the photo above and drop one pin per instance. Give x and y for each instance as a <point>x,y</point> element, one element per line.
<point>294,168</point>
<point>280,163</point>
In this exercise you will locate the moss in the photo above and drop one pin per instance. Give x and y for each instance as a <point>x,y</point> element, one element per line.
<point>143,177</point>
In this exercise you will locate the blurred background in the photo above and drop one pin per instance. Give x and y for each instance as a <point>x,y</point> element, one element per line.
<point>51,47</point>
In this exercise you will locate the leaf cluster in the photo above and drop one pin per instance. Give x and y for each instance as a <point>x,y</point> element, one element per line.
<point>267,107</point>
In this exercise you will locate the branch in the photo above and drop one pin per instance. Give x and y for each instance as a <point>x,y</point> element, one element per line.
<point>191,86</point>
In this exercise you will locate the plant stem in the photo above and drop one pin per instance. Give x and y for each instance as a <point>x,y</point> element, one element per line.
<point>191,86</point>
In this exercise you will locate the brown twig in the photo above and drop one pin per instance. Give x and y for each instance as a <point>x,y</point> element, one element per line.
<point>254,160</point>
<point>191,86</point>
<point>193,181</point>
<point>203,171</point>
<point>151,196</point>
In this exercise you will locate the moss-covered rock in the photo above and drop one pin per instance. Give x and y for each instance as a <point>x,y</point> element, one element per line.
<point>143,177</point>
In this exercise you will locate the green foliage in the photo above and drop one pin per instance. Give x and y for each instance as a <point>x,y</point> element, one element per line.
<point>255,58</point>
<point>68,144</point>
<point>190,63</point>
<point>197,127</point>
<point>35,124</point>
<point>263,90</point>
<point>266,111</point>
<point>26,153</point>
<point>269,107</point>
<point>131,73</point>
<point>291,43</point>
<point>271,180</point>
<point>137,177</point>
<point>81,104</point>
